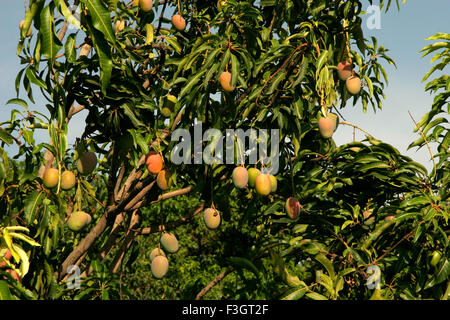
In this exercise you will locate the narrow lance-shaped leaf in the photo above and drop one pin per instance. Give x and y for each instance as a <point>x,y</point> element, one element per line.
<point>101,18</point>
<point>62,7</point>
<point>50,42</point>
<point>104,55</point>
<point>31,205</point>
<point>70,48</point>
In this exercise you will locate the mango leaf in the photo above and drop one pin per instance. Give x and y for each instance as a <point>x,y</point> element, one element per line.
<point>25,238</point>
<point>50,42</point>
<point>31,205</point>
<point>442,274</point>
<point>101,18</point>
<point>70,48</point>
<point>244,263</point>
<point>35,6</point>
<point>296,293</point>
<point>5,294</point>
<point>104,55</point>
<point>6,137</point>
<point>68,14</point>
<point>24,261</point>
<point>316,296</point>
<point>327,264</point>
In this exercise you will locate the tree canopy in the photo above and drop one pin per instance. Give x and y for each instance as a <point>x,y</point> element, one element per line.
<point>366,212</point>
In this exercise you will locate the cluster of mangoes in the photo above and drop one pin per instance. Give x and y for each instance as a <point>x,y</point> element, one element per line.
<point>160,263</point>
<point>264,184</point>
<point>147,5</point>
<point>155,163</point>
<point>329,123</point>
<point>86,164</point>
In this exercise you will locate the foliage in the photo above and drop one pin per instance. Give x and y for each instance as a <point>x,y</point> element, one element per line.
<point>371,207</point>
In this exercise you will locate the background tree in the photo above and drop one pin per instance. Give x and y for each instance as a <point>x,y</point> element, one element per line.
<point>235,64</point>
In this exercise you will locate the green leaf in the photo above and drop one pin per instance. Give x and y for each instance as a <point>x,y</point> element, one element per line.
<point>101,18</point>
<point>296,293</point>
<point>31,205</point>
<point>5,294</point>
<point>191,83</point>
<point>239,262</point>
<point>149,33</point>
<point>234,70</point>
<point>50,42</point>
<point>369,85</point>
<point>316,296</point>
<point>104,54</point>
<point>35,6</point>
<point>374,165</point>
<point>62,7</point>
<point>321,61</point>
<point>25,238</point>
<point>70,48</point>
<point>128,108</point>
<point>34,79</point>
<point>18,101</point>
<point>327,264</point>
<point>24,261</point>
<point>442,274</point>
<point>6,137</point>
<point>174,43</point>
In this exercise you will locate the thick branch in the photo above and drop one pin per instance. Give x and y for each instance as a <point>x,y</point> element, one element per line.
<point>139,196</point>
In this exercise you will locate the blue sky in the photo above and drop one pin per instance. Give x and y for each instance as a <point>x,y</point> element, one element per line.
<point>402,32</point>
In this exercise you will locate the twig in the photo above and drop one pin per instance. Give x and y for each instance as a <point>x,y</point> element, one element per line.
<point>354,126</point>
<point>171,225</point>
<point>428,146</point>
<point>213,283</point>
<point>279,69</point>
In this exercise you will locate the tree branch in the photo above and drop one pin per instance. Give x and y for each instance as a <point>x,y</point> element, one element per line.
<point>131,234</point>
<point>171,225</point>
<point>213,283</point>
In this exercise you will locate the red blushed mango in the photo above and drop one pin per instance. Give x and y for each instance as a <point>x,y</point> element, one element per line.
<point>344,70</point>
<point>327,125</point>
<point>263,184</point>
<point>154,162</point>
<point>7,256</point>
<point>273,183</point>
<point>293,208</point>
<point>30,30</point>
<point>162,180</point>
<point>240,177</point>
<point>353,85</point>
<point>146,5</point>
<point>225,80</point>
<point>178,22</point>
<point>14,274</point>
